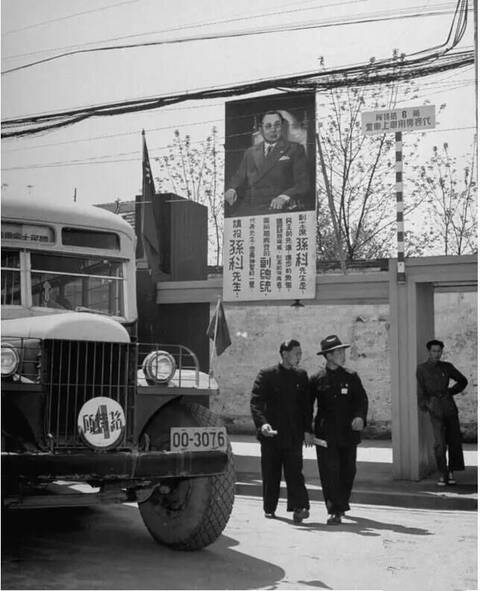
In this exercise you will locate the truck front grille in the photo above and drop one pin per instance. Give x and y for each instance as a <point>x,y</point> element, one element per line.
<point>76,371</point>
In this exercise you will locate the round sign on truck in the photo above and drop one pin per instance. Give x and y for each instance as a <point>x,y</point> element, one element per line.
<point>101,423</point>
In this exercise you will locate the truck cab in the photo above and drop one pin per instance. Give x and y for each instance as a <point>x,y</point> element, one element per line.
<point>83,402</point>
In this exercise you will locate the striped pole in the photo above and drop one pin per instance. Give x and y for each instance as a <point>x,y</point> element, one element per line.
<point>399,193</point>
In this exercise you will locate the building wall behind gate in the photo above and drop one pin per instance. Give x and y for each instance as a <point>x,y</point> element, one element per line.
<point>456,325</point>
<point>257,331</point>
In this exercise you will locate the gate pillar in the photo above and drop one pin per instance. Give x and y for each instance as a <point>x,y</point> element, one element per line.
<point>411,326</point>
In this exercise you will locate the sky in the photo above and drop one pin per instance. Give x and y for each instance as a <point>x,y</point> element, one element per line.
<point>101,157</point>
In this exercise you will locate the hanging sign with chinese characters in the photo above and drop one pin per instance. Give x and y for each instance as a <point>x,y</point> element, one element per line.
<point>270,257</point>
<point>405,119</point>
<point>270,198</point>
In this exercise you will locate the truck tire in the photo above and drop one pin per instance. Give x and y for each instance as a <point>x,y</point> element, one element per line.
<point>196,511</point>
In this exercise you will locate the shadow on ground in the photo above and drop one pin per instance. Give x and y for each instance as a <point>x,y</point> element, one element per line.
<point>358,525</point>
<point>375,485</point>
<point>110,548</point>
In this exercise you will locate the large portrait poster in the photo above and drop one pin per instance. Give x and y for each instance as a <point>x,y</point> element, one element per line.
<point>270,217</point>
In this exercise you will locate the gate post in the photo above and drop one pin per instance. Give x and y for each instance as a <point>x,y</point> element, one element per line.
<point>411,326</point>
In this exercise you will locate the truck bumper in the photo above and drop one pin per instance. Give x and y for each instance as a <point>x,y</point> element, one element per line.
<point>122,465</point>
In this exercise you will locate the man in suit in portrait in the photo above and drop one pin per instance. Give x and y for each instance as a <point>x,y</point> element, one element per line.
<point>272,176</point>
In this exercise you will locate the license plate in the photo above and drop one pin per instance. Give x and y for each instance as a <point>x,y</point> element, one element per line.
<point>198,439</point>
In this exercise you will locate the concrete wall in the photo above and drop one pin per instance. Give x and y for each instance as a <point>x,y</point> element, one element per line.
<point>257,331</point>
<point>456,326</point>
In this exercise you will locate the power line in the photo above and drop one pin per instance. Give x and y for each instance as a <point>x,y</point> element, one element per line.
<point>234,34</point>
<point>69,16</point>
<point>398,68</point>
<point>114,135</point>
<point>443,88</point>
<point>103,159</point>
<point>191,26</point>
<point>213,105</point>
<point>223,21</point>
<point>462,7</point>
<point>382,72</point>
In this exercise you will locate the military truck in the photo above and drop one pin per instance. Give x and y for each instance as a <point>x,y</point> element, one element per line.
<point>89,414</point>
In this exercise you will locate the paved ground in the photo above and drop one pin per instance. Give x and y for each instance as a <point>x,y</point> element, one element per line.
<point>394,549</point>
<point>421,542</point>
<point>374,481</point>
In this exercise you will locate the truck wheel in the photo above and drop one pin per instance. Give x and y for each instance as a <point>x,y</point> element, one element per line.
<point>196,510</point>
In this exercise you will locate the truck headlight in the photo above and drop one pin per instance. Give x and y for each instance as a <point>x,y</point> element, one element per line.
<point>159,367</point>
<point>10,360</point>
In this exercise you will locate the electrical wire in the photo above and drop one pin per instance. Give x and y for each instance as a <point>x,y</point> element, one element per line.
<point>461,9</point>
<point>443,87</point>
<point>67,17</point>
<point>421,64</point>
<point>230,35</point>
<point>212,105</point>
<point>138,158</point>
<point>374,74</point>
<point>197,25</point>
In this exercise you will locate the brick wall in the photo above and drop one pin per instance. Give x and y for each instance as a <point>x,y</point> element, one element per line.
<point>257,331</point>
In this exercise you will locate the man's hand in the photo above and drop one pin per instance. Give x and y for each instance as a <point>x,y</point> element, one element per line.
<point>230,196</point>
<point>357,424</point>
<point>280,202</point>
<point>267,430</point>
<point>308,439</point>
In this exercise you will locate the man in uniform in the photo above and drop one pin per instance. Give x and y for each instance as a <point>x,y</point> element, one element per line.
<point>279,406</point>
<point>272,176</point>
<point>436,397</point>
<point>341,415</point>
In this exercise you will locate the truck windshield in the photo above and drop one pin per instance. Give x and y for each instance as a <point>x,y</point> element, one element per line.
<point>70,282</point>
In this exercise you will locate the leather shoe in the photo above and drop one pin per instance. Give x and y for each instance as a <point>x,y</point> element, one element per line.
<point>334,519</point>
<point>300,514</point>
<point>270,515</point>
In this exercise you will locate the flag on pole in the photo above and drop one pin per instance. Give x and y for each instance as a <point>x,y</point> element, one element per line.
<point>149,230</point>
<point>217,330</point>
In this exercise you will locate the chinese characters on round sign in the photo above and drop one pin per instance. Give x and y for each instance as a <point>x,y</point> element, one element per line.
<point>101,422</point>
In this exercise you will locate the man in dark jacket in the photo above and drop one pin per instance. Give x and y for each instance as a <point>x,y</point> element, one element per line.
<point>279,405</point>
<point>341,415</point>
<point>436,396</point>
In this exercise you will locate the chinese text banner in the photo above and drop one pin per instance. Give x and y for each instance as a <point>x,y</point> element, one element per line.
<point>270,257</point>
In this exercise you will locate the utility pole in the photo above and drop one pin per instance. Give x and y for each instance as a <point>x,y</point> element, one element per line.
<point>475,41</point>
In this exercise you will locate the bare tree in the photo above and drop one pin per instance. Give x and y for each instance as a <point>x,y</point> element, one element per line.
<point>357,177</point>
<point>195,171</point>
<point>450,190</point>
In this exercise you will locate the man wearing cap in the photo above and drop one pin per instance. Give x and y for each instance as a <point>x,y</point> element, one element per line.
<point>341,415</point>
<point>279,406</point>
<point>435,395</point>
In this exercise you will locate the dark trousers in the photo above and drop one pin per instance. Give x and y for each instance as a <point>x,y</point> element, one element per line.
<point>337,469</point>
<point>447,435</point>
<point>273,460</point>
